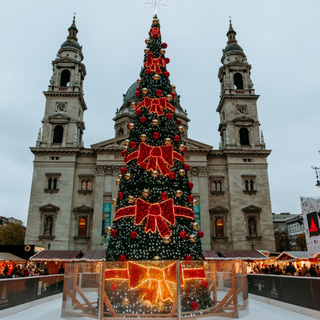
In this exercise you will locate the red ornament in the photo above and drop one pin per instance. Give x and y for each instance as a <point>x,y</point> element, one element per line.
<point>138,94</point>
<point>138,112</point>
<point>167,74</point>
<point>133,145</point>
<point>194,305</point>
<point>150,54</point>
<point>173,94</point>
<point>143,119</point>
<point>156,135</point>
<point>190,198</point>
<point>164,45</point>
<point>178,122</point>
<point>120,195</point>
<point>166,60</point>
<point>183,234</point>
<point>186,167</point>
<point>164,196</point>
<point>201,234</point>
<point>114,233</point>
<point>158,93</point>
<point>148,71</point>
<point>185,149</point>
<point>176,138</point>
<point>204,284</point>
<point>124,153</point>
<point>169,115</point>
<point>188,257</point>
<point>190,185</point>
<point>114,286</point>
<point>123,170</point>
<point>172,175</point>
<point>143,165</point>
<point>133,235</point>
<point>122,257</point>
<point>128,125</point>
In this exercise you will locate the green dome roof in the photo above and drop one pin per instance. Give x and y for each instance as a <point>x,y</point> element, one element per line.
<point>231,47</point>
<point>131,92</point>
<point>71,43</point>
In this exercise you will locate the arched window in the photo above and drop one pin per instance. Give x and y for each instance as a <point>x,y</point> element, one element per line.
<point>50,183</point>
<point>219,227</point>
<point>55,182</point>
<point>252,227</point>
<point>214,184</point>
<point>57,134</point>
<point>83,185</point>
<point>88,185</point>
<point>219,186</point>
<point>246,185</point>
<point>65,78</point>
<point>82,227</point>
<point>251,185</point>
<point>237,80</point>
<point>244,137</point>
<point>120,132</point>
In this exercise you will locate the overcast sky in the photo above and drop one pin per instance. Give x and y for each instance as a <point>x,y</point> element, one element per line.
<point>279,38</point>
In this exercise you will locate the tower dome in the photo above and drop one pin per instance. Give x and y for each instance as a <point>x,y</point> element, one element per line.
<point>72,40</point>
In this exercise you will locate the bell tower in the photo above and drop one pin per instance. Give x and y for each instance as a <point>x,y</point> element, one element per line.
<point>239,125</point>
<point>63,124</point>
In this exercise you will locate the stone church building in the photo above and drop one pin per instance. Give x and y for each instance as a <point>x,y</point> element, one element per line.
<point>73,187</point>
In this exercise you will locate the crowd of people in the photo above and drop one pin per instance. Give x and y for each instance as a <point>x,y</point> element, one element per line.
<point>289,270</point>
<point>20,271</point>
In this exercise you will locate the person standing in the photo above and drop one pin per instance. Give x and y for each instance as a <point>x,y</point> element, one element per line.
<point>61,270</point>
<point>313,271</point>
<point>291,269</point>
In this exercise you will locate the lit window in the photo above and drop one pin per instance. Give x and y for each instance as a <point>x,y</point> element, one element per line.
<point>219,227</point>
<point>82,227</point>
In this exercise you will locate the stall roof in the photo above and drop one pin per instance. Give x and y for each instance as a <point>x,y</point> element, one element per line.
<point>210,255</point>
<point>293,255</point>
<point>317,256</point>
<point>57,255</point>
<point>94,255</point>
<point>6,256</point>
<point>247,255</point>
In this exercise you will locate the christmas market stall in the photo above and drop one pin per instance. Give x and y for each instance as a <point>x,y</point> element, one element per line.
<point>54,259</point>
<point>94,255</point>
<point>8,261</point>
<point>299,259</point>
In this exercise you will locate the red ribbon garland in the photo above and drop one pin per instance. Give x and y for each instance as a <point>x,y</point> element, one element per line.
<point>159,157</point>
<point>156,105</point>
<point>154,64</point>
<point>157,214</point>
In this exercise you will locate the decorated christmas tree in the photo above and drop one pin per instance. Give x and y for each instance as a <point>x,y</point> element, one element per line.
<point>154,218</point>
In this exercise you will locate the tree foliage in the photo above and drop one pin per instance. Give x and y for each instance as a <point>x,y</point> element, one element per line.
<point>301,242</point>
<point>12,234</point>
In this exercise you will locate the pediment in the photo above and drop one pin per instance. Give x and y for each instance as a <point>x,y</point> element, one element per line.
<point>65,60</point>
<point>83,208</point>
<point>243,119</point>
<point>251,208</point>
<point>49,207</point>
<point>195,145</point>
<point>218,209</point>
<point>59,116</point>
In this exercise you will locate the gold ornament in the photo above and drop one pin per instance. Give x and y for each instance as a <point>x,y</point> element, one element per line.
<point>117,181</point>
<point>143,137</point>
<point>131,125</point>
<point>127,176</point>
<point>155,122</point>
<point>195,203</point>
<point>155,21</point>
<point>126,302</point>
<point>166,240</point>
<point>139,80</point>
<point>108,230</point>
<point>173,87</point>
<point>125,147</point>
<point>156,77</point>
<point>156,258</point>
<point>114,202</point>
<point>181,129</point>
<point>146,50</point>
<point>178,193</point>
<point>181,147</point>
<point>160,306</point>
<point>195,226</point>
<point>169,97</point>
<point>192,238</point>
<point>147,40</point>
<point>154,173</point>
<point>120,176</point>
<point>126,142</point>
<point>145,192</point>
<point>131,199</point>
<point>182,172</point>
<point>167,141</point>
<point>133,105</point>
<point>144,91</point>
<point>162,51</point>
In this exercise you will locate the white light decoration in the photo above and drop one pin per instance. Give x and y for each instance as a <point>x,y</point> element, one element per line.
<point>155,5</point>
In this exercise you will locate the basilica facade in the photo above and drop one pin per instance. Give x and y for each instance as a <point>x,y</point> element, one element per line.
<point>73,187</point>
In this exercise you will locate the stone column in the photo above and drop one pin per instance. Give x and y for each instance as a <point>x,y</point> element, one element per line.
<point>115,188</point>
<point>98,207</point>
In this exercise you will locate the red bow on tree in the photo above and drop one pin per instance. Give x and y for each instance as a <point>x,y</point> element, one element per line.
<point>157,214</point>
<point>154,64</point>
<point>156,105</point>
<point>159,157</point>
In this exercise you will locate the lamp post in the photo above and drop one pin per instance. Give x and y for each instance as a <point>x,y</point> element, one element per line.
<point>316,169</point>
<point>49,246</point>
<point>252,246</point>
